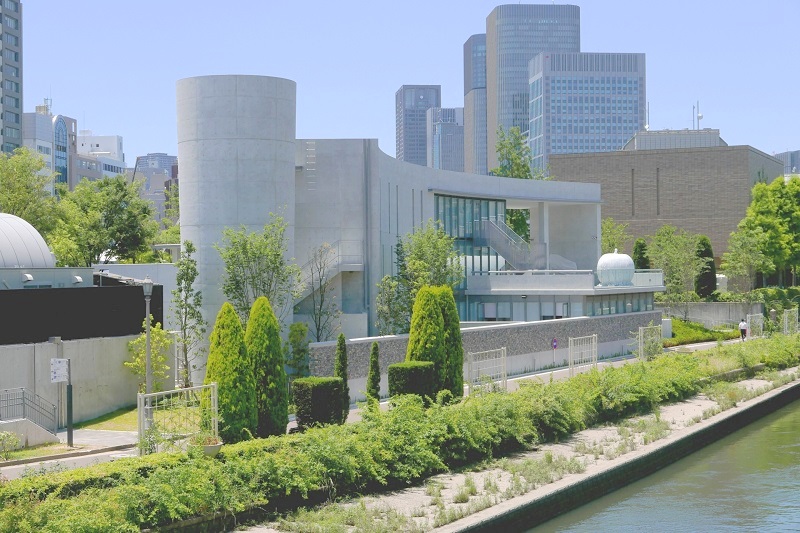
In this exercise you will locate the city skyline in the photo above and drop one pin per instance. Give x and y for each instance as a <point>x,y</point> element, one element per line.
<point>695,52</point>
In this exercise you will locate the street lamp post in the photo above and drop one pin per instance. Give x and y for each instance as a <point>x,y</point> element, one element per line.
<point>147,288</point>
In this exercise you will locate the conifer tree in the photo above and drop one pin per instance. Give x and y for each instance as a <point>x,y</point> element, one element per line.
<point>374,374</point>
<point>640,258</point>
<point>454,351</point>
<point>340,371</point>
<point>263,341</point>
<point>426,338</point>
<point>706,282</point>
<point>229,366</point>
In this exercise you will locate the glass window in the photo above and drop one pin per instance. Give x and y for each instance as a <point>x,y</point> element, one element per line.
<point>11,22</point>
<point>11,5</point>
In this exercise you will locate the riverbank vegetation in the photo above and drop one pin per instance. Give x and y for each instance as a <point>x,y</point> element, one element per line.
<point>388,449</point>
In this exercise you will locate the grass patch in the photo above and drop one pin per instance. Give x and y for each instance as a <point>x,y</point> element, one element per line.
<point>690,332</point>
<point>43,450</point>
<point>124,419</point>
<point>337,518</point>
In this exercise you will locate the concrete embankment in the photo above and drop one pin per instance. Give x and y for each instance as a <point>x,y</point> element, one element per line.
<point>534,508</point>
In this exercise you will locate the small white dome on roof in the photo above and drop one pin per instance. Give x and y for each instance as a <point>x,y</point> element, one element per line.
<point>21,246</point>
<point>615,269</point>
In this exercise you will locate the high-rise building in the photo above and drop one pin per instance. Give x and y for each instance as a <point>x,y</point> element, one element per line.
<point>411,103</point>
<point>157,160</point>
<point>107,149</point>
<point>584,102</point>
<point>11,86</point>
<point>791,161</point>
<point>445,127</point>
<point>516,33</point>
<point>475,105</point>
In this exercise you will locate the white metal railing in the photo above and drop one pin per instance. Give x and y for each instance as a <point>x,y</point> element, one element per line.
<point>22,403</point>
<point>755,325</point>
<point>790,326</point>
<point>168,419</point>
<point>582,353</point>
<point>650,342</point>
<point>497,235</point>
<point>488,280</point>
<point>485,368</point>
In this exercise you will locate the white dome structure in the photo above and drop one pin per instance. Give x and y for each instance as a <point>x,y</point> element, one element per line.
<point>615,270</point>
<point>21,246</point>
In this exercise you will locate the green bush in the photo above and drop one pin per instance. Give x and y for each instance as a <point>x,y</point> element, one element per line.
<point>230,367</point>
<point>263,342</point>
<point>412,377</point>
<point>426,338</point>
<point>340,371</point>
<point>454,351</point>
<point>691,332</point>
<point>706,282</point>
<point>374,374</point>
<point>317,401</point>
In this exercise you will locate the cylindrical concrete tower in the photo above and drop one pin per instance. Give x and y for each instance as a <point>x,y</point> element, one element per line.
<point>236,151</point>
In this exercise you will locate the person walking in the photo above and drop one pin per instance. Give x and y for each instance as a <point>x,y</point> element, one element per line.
<point>743,329</point>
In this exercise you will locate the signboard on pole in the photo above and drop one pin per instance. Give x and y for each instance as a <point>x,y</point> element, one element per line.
<point>59,370</point>
<point>555,343</point>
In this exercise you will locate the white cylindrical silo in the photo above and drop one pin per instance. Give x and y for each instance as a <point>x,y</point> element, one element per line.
<point>236,156</point>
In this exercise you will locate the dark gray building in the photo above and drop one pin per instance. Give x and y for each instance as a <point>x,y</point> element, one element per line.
<point>475,105</point>
<point>411,103</point>
<point>445,127</point>
<point>11,86</point>
<point>701,190</point>
<point>584,102</point>
<point>514,35</point>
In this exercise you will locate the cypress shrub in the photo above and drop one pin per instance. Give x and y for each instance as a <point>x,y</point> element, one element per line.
<point>229,366</point>
<point>706,282</point>
<point>317,401</point>
<point>263,341</point>
<point>340,371</point>
<point>374,374</point>
<point>412,377</point>
<point>454,351</point>
<point>640,257</point>
<point>426,338</point>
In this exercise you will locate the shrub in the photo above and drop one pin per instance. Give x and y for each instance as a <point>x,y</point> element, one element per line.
<point>317,401</point>
<point>426,338</point>
<point>263,342</point>
<point>340,371</point>
<point>706,281</point>
<point>230,367</point>
<point>9,441</point>
<point>374,374</point>
<point>690,332</point>
<point>640,258</point>
<point>412,377</point>
<point>454,351</point>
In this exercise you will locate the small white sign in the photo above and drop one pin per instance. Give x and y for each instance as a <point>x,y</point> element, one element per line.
<point>59,370</point>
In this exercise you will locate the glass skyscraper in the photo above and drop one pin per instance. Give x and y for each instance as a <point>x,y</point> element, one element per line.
<point>11,82</point>
<point>584,102</point>
<point>514,35</point>
<point>475,105</point>
<point>411,103</point>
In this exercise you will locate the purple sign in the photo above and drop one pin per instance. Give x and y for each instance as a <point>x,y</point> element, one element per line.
<point>555,343</point>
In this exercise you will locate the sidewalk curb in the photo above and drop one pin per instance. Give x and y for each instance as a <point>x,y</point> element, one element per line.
<point>68,455</point>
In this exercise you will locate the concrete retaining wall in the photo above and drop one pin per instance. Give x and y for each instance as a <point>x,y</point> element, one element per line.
<point>29,433</point>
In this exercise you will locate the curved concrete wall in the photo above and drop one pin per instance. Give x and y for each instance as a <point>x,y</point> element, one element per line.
<point>236,148</point>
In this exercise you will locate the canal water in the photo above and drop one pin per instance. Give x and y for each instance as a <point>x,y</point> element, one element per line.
<point>748,481</point>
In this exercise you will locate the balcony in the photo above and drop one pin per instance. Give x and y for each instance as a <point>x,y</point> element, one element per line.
<point>545,281</point>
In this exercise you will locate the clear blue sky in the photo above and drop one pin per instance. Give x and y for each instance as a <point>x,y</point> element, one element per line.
<point>113,64</point>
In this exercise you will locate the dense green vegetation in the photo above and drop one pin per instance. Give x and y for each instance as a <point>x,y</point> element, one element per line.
<point>387,449</point>
<point>317,401</point>
<point>340,371</point>
<point>684,332</point>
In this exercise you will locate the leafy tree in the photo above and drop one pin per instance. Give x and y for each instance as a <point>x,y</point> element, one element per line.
<point>426,340</point>
<point>296,351</point>
<point>26,193</point>
<point>640,258</point>
<point>515,161</point>
<point>613,236</point>
<point>103,218</point>
<point>230,367</point>
<point>187,304</point>
<point>374,374</point>
<point>255,265</point>
<point>768,211</point>
<point>454,351</point>
<point>170,224</point>
<point>425,257</point>
<point>160,349</point>
<point>324,313</point>
<point>263,341</point>
<point>706,282</point>
<point>675,252</point>
<point>340,371</point>
<point>745,257</point>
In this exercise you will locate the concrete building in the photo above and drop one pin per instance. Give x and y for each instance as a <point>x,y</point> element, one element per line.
<point>11,82</point>
<point>515,34</point>
<point>445,131</point>
<point>54,138</point>
<point>411,103</point>
<point>671,139</point>
<point>359,200</point>
<point>475,105</point>
<point>791,161</point>
<point>106,149</point>
<point>584,102</point>
<point>157,160</point>
<point>701,190</point>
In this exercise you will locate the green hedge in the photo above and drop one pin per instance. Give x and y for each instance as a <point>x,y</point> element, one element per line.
<point>386,449</point>
<point>317,401</point>
<point>412,377</point>
<point>691,332</point>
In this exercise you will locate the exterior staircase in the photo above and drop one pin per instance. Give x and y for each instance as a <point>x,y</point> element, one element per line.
<point>20,403</point>
<point>341,256</point>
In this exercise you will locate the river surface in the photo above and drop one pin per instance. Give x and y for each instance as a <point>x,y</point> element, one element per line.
<point>748,481</point>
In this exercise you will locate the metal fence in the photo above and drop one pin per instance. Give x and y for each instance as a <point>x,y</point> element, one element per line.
<point>582,353</point>
<point>487,369</point>
<point>650,342</point>
<point>169,420</point>
<point>790,326</point>
<point>755,325</point>
<point>22,403</point>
